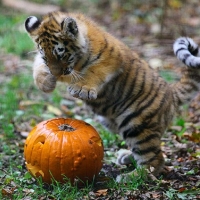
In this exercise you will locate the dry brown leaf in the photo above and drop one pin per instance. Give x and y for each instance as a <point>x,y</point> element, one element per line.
<point>180,159</point>
<point>7,192</point>
<point>24,104</point>
<point>102,192</point>
<point>54,110</point>
<point>194,137</point>
<point>182,189</point>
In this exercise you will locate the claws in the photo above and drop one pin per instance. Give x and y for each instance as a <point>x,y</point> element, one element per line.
<point>82,92</point>
<point>124,157</point>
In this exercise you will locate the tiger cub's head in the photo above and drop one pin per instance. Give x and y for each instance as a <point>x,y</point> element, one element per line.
<point>59,40</point>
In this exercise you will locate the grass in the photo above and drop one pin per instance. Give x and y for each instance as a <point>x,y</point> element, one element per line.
<point>168,76</point>
<point>26,186</point>
<point>16,179</point>
<point>17,90</point>
<point>23,104</point>
<point>13,38</point>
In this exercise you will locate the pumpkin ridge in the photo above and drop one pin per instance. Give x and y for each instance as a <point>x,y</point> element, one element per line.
<point>73,172</point>
<point>28,142</point>
<point>95,165</point>
<point>33,144</point>
<point>72,124</point>
<point>49,172</point>
<point>43,153</point>
<point>52,122</point>
<point>80,138</point>
<point>61,150</point>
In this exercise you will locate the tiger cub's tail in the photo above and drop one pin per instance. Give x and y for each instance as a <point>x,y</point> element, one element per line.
<point>187,51</point>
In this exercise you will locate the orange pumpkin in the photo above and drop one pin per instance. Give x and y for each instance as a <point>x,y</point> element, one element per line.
<point>63,149</point>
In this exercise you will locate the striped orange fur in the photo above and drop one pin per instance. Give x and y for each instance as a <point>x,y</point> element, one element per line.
<point>132,98</point>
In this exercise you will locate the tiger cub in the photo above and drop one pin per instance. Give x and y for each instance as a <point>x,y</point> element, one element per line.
<point>124,90</point>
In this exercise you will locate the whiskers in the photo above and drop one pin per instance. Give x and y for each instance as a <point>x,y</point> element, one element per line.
<point>76,76</point>
<point>32,52</point>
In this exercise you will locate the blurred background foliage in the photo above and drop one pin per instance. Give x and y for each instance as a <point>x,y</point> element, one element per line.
<point>166,18</point>
<point>149,27</point>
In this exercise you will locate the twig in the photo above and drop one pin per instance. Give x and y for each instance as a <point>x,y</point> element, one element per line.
<point>30,7</point>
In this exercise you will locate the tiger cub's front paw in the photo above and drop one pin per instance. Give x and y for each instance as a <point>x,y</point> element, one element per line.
<point>82,92</point>
<point>46,82</point>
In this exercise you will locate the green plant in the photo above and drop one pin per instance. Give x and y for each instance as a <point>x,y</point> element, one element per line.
<point>173,194</point>
<point>108,137</point>
<point>13,38</point>
<point>135,180</point>
<point>21,183</point>
<point>169,76</point>
<point>8,105</point>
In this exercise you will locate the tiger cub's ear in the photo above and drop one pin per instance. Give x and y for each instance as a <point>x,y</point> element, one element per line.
<point>69,27</point>
<point>32,23</point>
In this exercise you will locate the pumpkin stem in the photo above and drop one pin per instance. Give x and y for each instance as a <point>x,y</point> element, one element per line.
<point>66,127</point>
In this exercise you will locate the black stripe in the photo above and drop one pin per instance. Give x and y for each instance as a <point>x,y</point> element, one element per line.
<point>186,56</point>
<point>98,56</point>
<point>183,91</point>
<point>151,159</point>
<point>46,34</point>
<point>148,138</point>
<point>179,100</point>
<point>155,112</point>
<point>129,117</point>
<point>139,129</point>
<point>54,42</point>
<point>192,50</point>
<point>183,40</point>
<point>104,101</point>
<point>54,19</point>
<point>180,49</point>
<point>114,87</point>
<point>135,131</point>
<point>120,97</point>
<point>144,151</point>
<point>85,64</point>
<point>186,90</point>
<point>112,49</point>
<point>101,51</point>
<point>137,96</point>
<point>167,118</point>
<point>128,95</point>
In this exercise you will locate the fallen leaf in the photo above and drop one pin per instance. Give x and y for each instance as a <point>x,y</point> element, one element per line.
<point>7,192</point>
<point>54,110</point>
<point>182,189</point>
<point>24,134</point>
<point>180,159</point>
<point>101,192</point>
<point>24,104</point>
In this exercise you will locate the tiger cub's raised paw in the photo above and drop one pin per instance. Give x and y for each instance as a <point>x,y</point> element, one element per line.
<point>46,82</point>
<point>82,92</point>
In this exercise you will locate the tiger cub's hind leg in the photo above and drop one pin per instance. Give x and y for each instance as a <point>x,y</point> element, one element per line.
<point>107,123</point>
<point>145,151</point>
